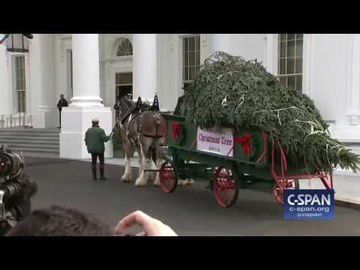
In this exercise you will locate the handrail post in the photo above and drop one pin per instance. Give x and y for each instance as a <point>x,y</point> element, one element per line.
<point>10,120</point>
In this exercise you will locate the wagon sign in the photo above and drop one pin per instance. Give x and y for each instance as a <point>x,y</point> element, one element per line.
<point>219,141</point>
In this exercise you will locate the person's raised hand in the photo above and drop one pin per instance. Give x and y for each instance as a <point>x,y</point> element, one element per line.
<point>151,226</point>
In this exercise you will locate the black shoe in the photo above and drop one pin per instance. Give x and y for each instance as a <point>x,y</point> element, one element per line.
<point>93,169</point>
<point>102,172</point>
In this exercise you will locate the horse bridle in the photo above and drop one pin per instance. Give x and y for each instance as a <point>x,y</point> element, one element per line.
<point>133,116</point>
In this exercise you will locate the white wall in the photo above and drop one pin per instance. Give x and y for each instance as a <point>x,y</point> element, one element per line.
<point>8,100</point>
<point>249,46</point>
<point>110,64</point>
<point>166,89</point>
<point>5,84</point>
<point>326,69</point>
<point>169,52</point>
<point>62,44</point>
<point>329,73</point>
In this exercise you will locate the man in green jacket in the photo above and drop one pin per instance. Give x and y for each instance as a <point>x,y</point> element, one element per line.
<point>95,138</point>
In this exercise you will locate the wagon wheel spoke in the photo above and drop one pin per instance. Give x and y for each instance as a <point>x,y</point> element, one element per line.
<point>168,177</point>
<point>278,193</point>
<point>225,188</point>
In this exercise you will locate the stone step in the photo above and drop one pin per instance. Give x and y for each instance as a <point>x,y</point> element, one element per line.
<point>28,134</point>
<point>29,139</point>
<point>32,146</point>
<point>34,130</point>
<point>39,154</point>
<point>34,150</point>
<point>22,142</point>
<point>33,142</point>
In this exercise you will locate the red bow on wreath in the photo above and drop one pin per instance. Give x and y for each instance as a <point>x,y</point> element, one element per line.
<point>245,143</point>
<point>176,130</point>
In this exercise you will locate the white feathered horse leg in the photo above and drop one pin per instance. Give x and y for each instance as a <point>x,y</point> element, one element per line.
<point>158,162</point>
<point>146,162</point>
<point>140,160</point>
<point>127,176</point>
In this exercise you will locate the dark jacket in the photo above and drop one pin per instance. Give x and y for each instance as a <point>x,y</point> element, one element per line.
<point>95,138</point>
<point>62,103</point>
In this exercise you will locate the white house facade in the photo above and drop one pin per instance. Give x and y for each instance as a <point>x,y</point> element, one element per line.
<point>92,69</point>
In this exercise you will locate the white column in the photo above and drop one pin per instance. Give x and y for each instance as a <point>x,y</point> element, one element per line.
<point>271,53</point>
<point>5,83</point>
<point>42,81</point>
<point>86,103</point>
<point>353,100</point>
<point>144,66</point>
<point>220,42</point>
<point>86,79</point>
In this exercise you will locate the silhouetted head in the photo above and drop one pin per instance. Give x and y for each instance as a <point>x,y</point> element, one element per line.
<point>60,221</point>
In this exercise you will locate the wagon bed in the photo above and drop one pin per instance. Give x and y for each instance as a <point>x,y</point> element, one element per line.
<point>230,159</point>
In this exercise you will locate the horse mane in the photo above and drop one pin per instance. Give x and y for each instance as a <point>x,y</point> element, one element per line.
<point>126,102</point>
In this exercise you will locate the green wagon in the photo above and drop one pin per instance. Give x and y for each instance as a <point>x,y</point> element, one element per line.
<point>230,160</point>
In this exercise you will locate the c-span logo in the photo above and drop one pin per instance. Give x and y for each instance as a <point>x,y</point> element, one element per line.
<point>309,204</point>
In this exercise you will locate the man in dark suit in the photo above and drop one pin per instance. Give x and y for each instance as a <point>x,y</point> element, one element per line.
<point>61,103</point>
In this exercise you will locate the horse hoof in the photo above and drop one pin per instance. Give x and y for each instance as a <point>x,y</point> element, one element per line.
<point>182,182</point>
<point>139,183</point>
<point>125,179</point>
<point>157,184</point>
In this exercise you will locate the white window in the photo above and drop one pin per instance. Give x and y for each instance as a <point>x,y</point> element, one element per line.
<point>125,48</point>
<point>291,60</point>
<point>20,83</point>
<point>190,58</point>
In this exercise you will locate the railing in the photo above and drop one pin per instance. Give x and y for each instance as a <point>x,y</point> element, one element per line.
<point>16,120</point>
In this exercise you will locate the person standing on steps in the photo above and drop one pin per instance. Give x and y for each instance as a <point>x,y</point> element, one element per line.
<point>61,103</point>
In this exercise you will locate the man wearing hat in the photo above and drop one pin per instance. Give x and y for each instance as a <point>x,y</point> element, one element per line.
<point>95,138</point>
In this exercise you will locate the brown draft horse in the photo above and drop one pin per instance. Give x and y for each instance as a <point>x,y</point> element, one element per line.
<point>142,128</point>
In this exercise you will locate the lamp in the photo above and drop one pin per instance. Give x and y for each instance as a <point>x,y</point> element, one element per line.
<point>17,43</point>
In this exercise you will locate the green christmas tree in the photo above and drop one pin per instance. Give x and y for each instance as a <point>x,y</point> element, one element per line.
<point>242,94</point>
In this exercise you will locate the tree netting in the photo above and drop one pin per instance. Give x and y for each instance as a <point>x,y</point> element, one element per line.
<point>232,92</point>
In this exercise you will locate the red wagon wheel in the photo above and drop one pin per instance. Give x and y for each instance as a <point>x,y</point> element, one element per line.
<point>168,177</point>
<point>225,187</point>
<point>278,193</point>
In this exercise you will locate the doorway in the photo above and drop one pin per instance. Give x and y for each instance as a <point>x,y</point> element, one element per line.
<point>123,84</point>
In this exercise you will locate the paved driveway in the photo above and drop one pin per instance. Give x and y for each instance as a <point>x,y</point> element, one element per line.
<point>189,210</point>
